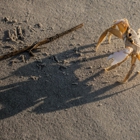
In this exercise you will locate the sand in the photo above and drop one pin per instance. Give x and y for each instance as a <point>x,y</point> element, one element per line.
<point>61,92</point>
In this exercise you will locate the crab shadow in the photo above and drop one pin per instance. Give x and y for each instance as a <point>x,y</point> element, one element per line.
<point>56,87</point>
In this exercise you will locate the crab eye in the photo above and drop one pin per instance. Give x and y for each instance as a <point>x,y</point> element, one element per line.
<point>129,34</point>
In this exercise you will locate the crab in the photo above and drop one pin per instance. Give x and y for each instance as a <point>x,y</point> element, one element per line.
<point>131,38</point>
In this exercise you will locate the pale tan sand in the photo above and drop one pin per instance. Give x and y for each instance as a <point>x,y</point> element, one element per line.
<point>41,99</point>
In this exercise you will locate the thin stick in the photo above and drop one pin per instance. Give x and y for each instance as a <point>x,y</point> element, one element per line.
<point>15,52</point>
<point>34,46</point>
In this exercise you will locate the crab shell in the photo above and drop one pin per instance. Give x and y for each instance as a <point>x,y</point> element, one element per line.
<point>122,25</point>
<point>132,46</point>
<point>132,39</point>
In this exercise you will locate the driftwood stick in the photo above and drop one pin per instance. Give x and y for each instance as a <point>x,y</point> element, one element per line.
<point>15,52</point>
<point>34,46</point>
<point>50,39</point>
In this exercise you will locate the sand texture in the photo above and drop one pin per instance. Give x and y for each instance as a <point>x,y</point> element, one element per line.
<point>61,93</point>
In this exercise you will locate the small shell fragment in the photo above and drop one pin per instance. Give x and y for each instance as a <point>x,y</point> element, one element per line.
<point>120,56</point>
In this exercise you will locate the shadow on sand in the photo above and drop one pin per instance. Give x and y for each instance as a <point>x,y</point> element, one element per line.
<point>57,88</point>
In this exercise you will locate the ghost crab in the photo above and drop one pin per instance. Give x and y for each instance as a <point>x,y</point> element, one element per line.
<point>122,30</point>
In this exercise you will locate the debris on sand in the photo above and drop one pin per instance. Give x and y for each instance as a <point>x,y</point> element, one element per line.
<point>35,78</point>
<point>38,25</point>
<point>15,34</point>
<point>23,59</point>
<point>5,19</point>
<point>61,67</point>
<point>12,62</point>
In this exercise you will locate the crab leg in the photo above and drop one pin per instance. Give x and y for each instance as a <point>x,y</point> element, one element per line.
<point>111,30</point>
<point>116,65</point>
<point>122,29</point>
<point>109,38</point>
<point>118,28</point>
<point>133,65</point>
<point>110,34</point>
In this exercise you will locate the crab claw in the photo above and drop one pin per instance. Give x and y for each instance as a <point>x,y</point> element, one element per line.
<point>120,56</point>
